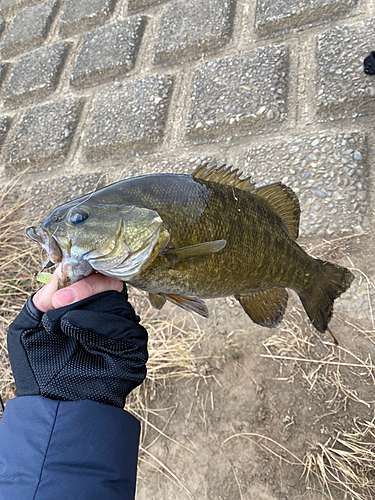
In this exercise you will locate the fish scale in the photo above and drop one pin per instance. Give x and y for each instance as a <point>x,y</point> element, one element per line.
<point>187,237</point>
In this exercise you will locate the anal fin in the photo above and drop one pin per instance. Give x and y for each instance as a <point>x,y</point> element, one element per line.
<point>188,303</point>
<point>156,300</point>
<point>267,307</point>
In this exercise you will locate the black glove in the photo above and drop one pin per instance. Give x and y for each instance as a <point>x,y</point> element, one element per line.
<point>93,349</point>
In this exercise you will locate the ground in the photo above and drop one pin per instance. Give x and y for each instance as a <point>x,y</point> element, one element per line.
<point>252,427</point>
<point>232,410</point>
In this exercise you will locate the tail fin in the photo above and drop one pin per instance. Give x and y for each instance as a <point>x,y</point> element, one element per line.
<point>331,281</point>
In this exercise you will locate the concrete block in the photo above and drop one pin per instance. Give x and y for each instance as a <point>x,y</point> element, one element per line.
<point>243,92</point>
<point>341,84</point>
<point>274,15</point>
<point>3,71</point>
<point>36,74</point>
<point>29,28</point>
<point>108,51</point>
<point>129,117</point>
<point>45,133</point>
<point>4,127</point>
<point>188,28</point>
<point>328,173</point>
<point>10,6</point>
<point>136,5</point>
<point>82,14</point>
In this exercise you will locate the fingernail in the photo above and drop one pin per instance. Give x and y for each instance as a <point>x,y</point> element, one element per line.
<point>64,297</point>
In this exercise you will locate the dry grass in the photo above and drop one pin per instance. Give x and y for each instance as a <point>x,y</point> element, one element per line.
<point>18,256</point>
<point>346,377</point>
<point>170,343</point>
<point>345,461</point>
<point>171,358</point>
<point>344,464</point>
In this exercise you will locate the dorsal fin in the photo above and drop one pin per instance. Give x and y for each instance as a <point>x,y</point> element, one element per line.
<point>226,175</point>
<point>283,200</point>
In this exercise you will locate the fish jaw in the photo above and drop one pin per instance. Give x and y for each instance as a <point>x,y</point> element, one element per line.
<point>47,242</point>
<point>69,271</point>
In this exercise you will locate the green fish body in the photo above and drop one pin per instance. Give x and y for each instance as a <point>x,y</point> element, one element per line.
<point>184,238</point>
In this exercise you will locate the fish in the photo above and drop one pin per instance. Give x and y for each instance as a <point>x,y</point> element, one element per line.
<point>185,238</point>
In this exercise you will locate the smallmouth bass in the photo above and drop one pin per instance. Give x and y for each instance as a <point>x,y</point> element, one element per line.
<point>184,238</point>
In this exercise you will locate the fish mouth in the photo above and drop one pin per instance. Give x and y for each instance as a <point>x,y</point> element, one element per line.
<point>47,242</point>
<point>69,271</point>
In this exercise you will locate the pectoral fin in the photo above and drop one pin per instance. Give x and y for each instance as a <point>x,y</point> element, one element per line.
<point>189,303</point>
<point>187,257</point>
<point>267,307</point>
<point>156,300</point>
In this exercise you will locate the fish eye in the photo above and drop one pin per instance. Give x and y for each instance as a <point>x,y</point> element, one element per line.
<point>78,217</point>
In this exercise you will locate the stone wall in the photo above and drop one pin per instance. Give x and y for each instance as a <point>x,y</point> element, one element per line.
<point>275,87</point>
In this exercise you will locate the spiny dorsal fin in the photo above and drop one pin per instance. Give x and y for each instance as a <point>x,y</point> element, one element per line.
<point>283,200</point>
<point>226,175</point>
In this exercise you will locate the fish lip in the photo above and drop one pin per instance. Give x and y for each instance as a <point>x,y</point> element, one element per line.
<point>47,241</point>
<point>33,235</point>
<point>55,252</point>
<point>69,272</point>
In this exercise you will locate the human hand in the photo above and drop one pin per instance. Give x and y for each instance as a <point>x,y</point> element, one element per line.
<point>48,297</point>
<point>93,348</point>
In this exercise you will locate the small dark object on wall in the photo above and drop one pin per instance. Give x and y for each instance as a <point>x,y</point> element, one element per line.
<point>369,64</point>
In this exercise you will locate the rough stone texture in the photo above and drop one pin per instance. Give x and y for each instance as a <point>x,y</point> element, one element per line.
<point>108,51</point>
<point>241,91</point>
<point>3,71</point>
<point>9,3</point>
<point>280,14</point>
<point>36,74</point>
<point>29,28</point>
<point>8,6</point>
<point>45,133</point>
<point>175,166</point>
<point>341,82</point>
<point>129,117</point>
<point>328,173</point>
<point>357,303</point>
<point>135,5</point>
<point>188,28</point>
<point>4,127</point>
<point>82,14</point>
<point>46,195</point>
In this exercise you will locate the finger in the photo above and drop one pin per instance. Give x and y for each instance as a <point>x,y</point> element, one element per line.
<point>42,300</point>
<point>91,285</point>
